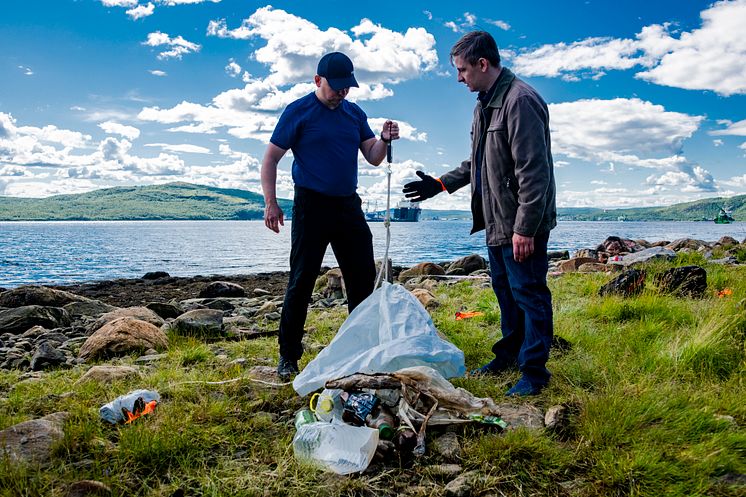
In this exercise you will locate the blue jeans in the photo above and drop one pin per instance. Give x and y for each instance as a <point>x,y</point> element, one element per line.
<point>525,310</point>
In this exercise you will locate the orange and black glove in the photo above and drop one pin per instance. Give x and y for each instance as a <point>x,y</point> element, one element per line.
<point>428,187</point>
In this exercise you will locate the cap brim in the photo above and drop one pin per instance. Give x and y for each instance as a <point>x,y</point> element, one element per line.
<point>340,83</point>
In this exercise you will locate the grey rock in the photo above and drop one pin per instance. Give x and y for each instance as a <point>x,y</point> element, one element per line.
<point>164,309</point>
<point>272,316</point>
<point>19,319</point>
<point>447,446</point>
<point>138,312</point>
<point>88,488</point>
<point>646,255</point>
<point>222,289</point>
<point>92,308</point>
<point>444,470</point>
<point>37,295</point>
<point>630,282</point>
<point>200,323</point>
<point>521,416</point>
<point>261,291</point>
<point>684,281</point>
<point>32,441</point>
<point>154,275</point>
<point>108,373</point>
<point>121,337</point>
<point>150,358</point>
<point>468,264</point>
<point>461,486</point>
<point>47,357</point>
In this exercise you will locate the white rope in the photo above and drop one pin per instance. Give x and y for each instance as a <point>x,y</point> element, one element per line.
<point>387,223</point>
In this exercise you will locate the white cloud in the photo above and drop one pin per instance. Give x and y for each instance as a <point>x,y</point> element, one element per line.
<point>181,148</point>
<point>233,69</point>
<point>179,46</point>
<point>717,143</point>
<point>733,129</point>
<point>596,130</point>
<point>428,14</point>
<point>631,132</point>
<point>158,72</point>
<point>111,127</point>
<point>171,3</point>
<point>119,3</point>
<point>712,57</point>
<point>295,45</point>
<point>500,24</point>
<point>463,23</point>
<point>26,70</point>
<point>141,11</point>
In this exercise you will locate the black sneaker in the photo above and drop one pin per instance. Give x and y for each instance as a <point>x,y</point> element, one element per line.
<point>287,368</point>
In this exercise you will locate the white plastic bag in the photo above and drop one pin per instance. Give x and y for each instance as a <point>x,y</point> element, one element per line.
<point>388,331</point>
<point>338,447</point>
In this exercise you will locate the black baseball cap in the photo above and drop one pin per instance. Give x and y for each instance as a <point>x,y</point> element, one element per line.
<point>337,68</point>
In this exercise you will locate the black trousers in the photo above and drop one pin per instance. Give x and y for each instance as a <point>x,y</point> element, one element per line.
<point>320,220</point>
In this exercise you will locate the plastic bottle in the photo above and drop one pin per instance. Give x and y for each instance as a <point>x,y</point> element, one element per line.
<point>338,447</point>
<point>112,412</point>
<point>304,417</point>
<point>406,439</point>
<point>328,405</point>
<point>384,422</point>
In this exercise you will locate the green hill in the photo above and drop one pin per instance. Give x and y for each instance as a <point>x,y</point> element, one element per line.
<point>153,202</point>
<point>698,210</point>
<point>188,201</point>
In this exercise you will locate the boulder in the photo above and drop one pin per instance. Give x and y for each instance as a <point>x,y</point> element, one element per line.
<point>573,264</point>
<point>593,267</point>
<point>32,441</point>
<point>19,319</point>
<point>139,313</point>
<point>615,245</point>
<point>586,253</point>
<point>687,243</point>
<point>199,323</point>
<point>521,416</point>
<point>47,357</point>
<point>164,309</point>
<point>726,241</point>
<point>93,308</point>
<point>121,337</point>
<point>645,255</point>
<point>421,269</point>
<point>330,284</point>
<point>685,281</point>
<point>426,298</point>
<point>154,275</point>
<point>106,373</point>
<point>88,488</point>
<point>37,295</point>
<point>558,254</point>
<point>390,270</point>
<point>222,289</point>
<point>468,264</point>
<point>447,446</point>
<point>630,282</point>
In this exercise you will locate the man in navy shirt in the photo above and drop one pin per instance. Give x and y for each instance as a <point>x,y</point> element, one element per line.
<point>325,132</point>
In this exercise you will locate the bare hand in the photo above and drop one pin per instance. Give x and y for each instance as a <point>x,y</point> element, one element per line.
<point>523,247</point>
<point>390,131</point>
<point>273,217</point>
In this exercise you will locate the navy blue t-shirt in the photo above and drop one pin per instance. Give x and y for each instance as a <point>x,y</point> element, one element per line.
<point>325,143</point>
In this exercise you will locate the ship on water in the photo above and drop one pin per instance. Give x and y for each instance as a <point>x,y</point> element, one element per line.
<point>723,217</point>
<point>404,212</point>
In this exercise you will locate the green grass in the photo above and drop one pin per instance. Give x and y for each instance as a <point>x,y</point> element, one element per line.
<point>657,383</point>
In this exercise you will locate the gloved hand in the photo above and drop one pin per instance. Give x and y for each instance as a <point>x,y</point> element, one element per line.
<point>417,191</point>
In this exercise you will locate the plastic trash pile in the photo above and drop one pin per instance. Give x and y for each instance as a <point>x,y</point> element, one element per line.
<point>362,414</point>
<point>127,408</point>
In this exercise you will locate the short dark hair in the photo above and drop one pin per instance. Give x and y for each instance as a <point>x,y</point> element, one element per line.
<point>476,45</point>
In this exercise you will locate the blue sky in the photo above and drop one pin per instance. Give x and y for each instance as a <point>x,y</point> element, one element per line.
<point>647,98</point>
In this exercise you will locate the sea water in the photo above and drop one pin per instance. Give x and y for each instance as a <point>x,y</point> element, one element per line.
<point>77,251</point>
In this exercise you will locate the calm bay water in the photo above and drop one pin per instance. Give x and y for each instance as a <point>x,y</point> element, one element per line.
<point>66,252</point>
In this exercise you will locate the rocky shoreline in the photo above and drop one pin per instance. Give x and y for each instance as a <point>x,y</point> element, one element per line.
<point>44,328</point>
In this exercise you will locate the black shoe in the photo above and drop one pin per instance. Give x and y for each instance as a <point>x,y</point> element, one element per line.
<point>494,367</point>
<point>287,368</point>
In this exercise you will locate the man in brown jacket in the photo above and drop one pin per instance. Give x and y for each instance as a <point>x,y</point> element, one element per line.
<point>513,198</point>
